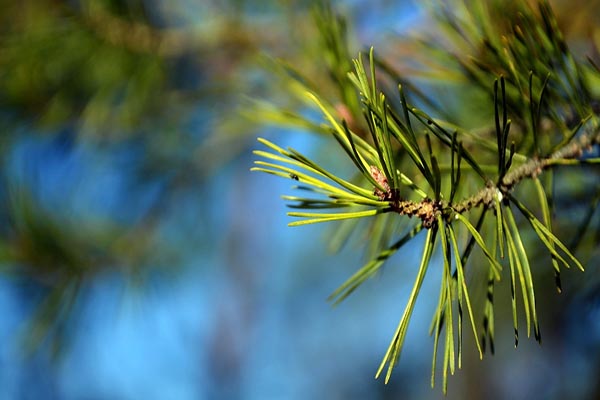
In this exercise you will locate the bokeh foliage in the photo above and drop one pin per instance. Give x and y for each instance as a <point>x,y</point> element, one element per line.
<point>117,91</point>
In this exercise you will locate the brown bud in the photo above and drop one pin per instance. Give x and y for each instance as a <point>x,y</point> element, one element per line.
<point>381,179</point>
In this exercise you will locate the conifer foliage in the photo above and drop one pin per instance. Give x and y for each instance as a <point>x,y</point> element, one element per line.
<point>472,192</point>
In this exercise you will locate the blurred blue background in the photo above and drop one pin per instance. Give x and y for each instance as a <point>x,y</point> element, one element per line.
<point>142,259</point>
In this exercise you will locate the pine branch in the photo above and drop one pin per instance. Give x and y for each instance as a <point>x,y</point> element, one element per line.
<point>411,164</point>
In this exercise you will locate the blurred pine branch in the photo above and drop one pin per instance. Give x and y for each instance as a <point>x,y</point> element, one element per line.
<point>104,81</point>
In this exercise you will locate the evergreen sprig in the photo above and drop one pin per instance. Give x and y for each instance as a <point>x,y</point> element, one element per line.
<point>409,163</point>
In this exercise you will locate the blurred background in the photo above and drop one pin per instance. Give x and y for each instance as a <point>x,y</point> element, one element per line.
<point>141,259</point>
